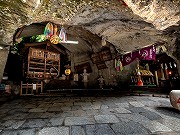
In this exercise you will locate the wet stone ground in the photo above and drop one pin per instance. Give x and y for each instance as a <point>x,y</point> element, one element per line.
<point>127,115</point>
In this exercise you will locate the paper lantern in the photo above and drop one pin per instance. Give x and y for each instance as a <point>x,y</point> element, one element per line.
<point>54,39</point>
<point>48,31</point>
<point>68,71</point>
<point>140,82</point>
<point>55,30</point>
<point>62,35</point>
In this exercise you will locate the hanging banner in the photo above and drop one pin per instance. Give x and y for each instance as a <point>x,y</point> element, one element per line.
<point>62,35</point>
<point>48,31</point>
<point>118,65</point>
<point>147,53</point>
<point>129,57</point>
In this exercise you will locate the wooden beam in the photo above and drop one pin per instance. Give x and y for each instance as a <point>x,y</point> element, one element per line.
<point>45,43</point>
<point>19,32</point>
<point>35,44</point>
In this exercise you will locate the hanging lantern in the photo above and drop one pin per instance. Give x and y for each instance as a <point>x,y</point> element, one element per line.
<point>62,35</point>
<point>54,39</point>
<point>118,65</point>
<point>169,72</point>
<point>48,31</point>
<point>68,71</point>
<point>55,30</point>
<point>140,82</point>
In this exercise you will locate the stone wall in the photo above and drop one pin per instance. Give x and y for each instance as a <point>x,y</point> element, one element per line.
<point>112,78</point>
<point>173,49</point>
<point>3,59</point>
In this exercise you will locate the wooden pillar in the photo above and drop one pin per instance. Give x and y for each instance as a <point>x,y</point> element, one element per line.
<point>178,66</point>
<point>36,88</point>
<point>3,56</point>
<point>147,66</point>
<point>156,77</point>
<point>162,73</point>
<point>72,62</point>
<point>21,89</point>
<point>41,86</point>
<point>166,72</point>
<point>26,88</point>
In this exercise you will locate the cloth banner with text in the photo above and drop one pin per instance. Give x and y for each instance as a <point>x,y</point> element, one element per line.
<point>129,57</point>
<point>147,53</point>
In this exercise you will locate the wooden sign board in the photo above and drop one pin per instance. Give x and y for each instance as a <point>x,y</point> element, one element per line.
<point>79,68</point>
<point>104,55</point>
<point>95,58</point>
<point>101,65</point>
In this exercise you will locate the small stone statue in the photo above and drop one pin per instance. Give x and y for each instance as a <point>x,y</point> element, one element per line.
<point>63,77</point>
<point>101,81</point>
<point>76,77</point>
<point>85,78</point>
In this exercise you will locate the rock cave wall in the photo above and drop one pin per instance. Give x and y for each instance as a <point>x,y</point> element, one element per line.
<point>128,24</point>
<point>3,59</point>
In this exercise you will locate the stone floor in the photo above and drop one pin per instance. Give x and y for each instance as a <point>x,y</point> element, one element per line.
<point>125,115</point>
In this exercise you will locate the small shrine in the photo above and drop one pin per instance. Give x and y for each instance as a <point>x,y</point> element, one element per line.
<point>42,64</point>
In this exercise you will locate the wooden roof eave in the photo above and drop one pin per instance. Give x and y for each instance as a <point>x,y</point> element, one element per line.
<point>43,43</point>
<point>36,44</point>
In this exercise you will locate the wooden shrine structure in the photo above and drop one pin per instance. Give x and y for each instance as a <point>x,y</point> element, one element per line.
<point>41,63</point>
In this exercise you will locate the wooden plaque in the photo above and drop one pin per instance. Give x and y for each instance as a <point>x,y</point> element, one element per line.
<point>79,68</point>
<point>95,58</point>
<point>101,65</point>
<point>105,55</point>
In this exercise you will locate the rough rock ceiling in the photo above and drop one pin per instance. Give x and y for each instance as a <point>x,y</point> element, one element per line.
<point>127,24</point>
<point>161,13</point>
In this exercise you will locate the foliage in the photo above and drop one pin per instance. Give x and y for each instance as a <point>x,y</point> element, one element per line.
<point>15,47</point>
<point>18,46</point>
<point>40,38</point>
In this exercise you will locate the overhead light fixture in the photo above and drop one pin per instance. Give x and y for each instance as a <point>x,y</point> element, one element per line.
<point>69,42</point>
<point>1,47</point>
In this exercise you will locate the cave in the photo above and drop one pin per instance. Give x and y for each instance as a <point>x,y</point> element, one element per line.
<point>102,31</point>
<point>89,67</point>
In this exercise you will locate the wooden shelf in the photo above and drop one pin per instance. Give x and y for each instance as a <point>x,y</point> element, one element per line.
<point>37,63</point>
<point>52,59</point>
<point>41,58</point>
<point>37,59</point>
<point>33,68</point>
<point>31,72</point>
<point>52,65</point>
<point>40,62</point>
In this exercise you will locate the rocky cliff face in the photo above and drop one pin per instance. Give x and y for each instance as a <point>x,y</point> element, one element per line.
<point>161,13</point>
<point>130,23</point>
